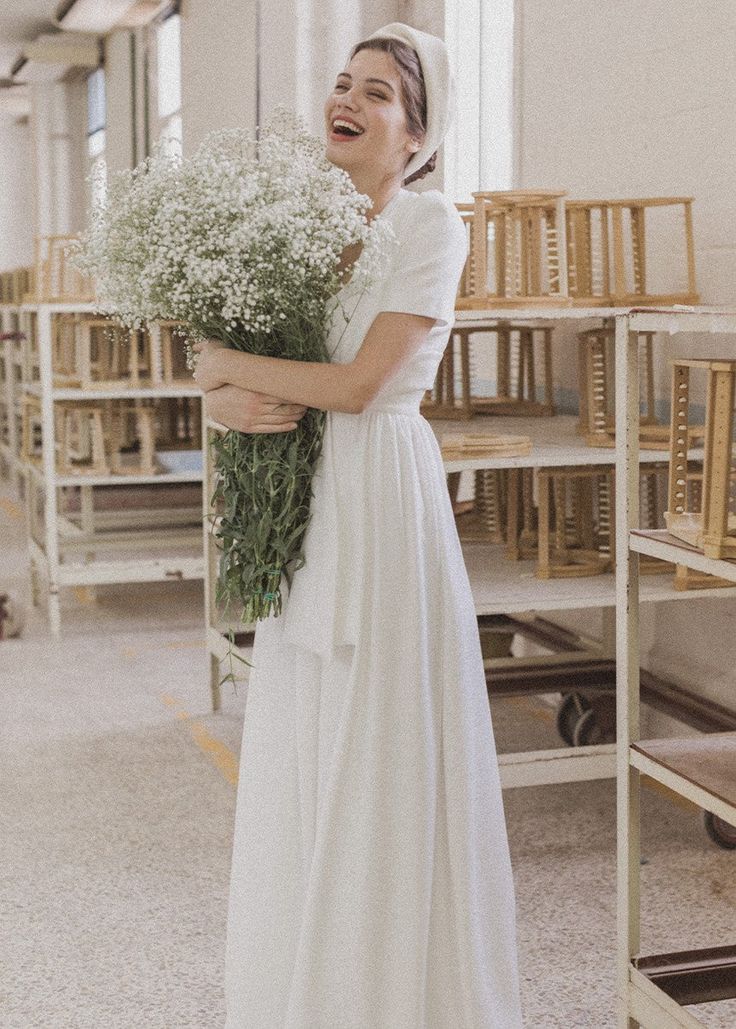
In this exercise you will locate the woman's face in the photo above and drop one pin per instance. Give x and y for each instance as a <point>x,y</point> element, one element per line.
<point>367,95</point>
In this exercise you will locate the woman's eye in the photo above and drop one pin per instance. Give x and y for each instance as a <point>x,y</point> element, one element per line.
<point>378,96</point>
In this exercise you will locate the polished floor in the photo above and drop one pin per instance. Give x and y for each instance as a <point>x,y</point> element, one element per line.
<point>117,807</point>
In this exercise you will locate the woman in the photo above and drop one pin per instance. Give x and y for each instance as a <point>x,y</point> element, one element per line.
<point>371,882</point>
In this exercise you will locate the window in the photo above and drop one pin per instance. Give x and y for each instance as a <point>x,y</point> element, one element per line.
<point>165,80</point>
<point>96,121</point>
<point>479,146</point>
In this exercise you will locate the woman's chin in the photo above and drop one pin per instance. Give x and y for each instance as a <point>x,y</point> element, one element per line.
<point>337,157</point>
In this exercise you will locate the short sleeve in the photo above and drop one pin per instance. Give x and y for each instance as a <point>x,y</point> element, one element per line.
<point>425,271</point>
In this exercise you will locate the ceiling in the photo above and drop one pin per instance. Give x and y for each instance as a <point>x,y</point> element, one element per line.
<point>20,22</point>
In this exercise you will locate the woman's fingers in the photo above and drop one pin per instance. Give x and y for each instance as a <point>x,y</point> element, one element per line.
<point>277,418</point>
<point>289,427</point>
<point>283,405</point>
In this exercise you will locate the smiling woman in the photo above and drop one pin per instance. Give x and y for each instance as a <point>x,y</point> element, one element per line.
<point>371,878</point>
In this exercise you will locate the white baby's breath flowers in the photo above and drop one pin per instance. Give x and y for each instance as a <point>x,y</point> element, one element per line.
<point>234,240</point>
<point>241,242</point>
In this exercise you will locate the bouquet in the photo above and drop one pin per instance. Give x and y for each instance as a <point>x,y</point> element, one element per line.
<point>241,242</point>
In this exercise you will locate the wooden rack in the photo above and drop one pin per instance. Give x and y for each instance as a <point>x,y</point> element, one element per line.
<point>536,248</point>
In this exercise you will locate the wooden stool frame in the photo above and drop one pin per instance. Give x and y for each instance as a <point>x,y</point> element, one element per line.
<point>713,528</point>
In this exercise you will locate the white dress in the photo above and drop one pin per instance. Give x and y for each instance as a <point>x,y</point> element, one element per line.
<point>371,883</point>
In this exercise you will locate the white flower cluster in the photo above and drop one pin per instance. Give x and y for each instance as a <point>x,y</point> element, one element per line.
<point>240,240</point>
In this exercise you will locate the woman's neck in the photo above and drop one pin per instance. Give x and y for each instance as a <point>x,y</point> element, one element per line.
<point>380,193</point>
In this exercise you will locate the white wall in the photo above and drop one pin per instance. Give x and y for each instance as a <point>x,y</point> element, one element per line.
<point>218,56</point>
<point>119,63</point>
<point>632,99</point>
<point>16,195</point>
<point>304,45</point>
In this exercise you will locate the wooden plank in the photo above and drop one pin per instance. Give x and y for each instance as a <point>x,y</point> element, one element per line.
<point>707,761</point>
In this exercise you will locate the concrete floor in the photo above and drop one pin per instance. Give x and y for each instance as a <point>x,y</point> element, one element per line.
<point>117,808</point>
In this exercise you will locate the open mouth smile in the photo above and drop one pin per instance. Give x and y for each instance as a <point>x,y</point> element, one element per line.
<point>343,129</point>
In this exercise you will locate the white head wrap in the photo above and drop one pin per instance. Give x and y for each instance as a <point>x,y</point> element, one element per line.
<point>439,85</point>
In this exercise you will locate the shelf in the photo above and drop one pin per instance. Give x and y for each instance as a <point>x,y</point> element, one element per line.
<point>678,318</point>
<point>555,443</point>
<point>170,568</point>
<point>693,976</point>
<point>684,319</point>
<point>702,769</point>
<point>660,543</point>
<point>121,393</point>
<point>557,312</point>
<point>501,586</point>
<point>174,569</point>
<point>115,480</point>
<point>60,307</point>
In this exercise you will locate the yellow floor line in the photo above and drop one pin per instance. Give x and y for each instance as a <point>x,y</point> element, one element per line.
<point>182,644</point>
<point>11,510</point>
<point>226,761</point>
<point>215,750</point>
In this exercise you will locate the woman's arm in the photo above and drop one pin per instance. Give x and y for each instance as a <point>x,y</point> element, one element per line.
<point>389,343</point>
<point>250,412</point>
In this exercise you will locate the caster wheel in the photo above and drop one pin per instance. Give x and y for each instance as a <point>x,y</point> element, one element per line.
<point>721,832</point>
<point>568,714</point>
<point>598,724</point>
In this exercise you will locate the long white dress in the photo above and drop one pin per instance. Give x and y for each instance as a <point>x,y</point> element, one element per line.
<point>371,883</point>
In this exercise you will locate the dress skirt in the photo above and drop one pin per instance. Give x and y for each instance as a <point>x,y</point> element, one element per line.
<point>371,882</point>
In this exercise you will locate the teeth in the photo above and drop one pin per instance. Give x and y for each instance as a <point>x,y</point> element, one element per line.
<point>348,125</point>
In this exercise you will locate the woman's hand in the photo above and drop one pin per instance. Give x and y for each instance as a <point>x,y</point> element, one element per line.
<point>205,371</point>
<point>248,411</point>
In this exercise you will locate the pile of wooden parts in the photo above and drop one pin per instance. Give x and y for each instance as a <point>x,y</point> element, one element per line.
<point>106,438</point>
<point>179,423</point>
<point>689,578</point>
<point>443,401</point>
<point>653,480</point>
<point>523,369</point>
<point>169,349</point>
<point>605,234</point>
<point>31,430</point>
<point>575,521</point>
<point>91,352</point>
<point>483,444</point>
<point>596,378</point>
<point>531,247</point>
<point>110,437</point>
<point>522,523</point>
<point>55,279</point>
<point>483,519</point>
<point>711,525</point>
<point>94,352</point>
<point>81,440</point>
<point>15,285</point>
<point>563,517</point>
<point>517,250</point>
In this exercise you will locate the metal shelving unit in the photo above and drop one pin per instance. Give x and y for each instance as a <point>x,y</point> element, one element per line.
<point>97,547</point>
<point>12,362</point>
<point>502,588</point>
<point>654,990</point>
